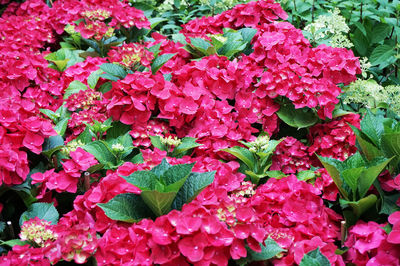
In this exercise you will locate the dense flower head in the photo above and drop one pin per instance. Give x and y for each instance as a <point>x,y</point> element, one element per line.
<point>290,157</point>
<point>37,231</point>
<point>251,14</point>
<point>131,56</point>
<point>84,99</point>
<point>368,245</point>
<point>334,139</point>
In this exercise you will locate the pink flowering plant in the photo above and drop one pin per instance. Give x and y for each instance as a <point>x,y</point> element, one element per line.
<point>127,138</point>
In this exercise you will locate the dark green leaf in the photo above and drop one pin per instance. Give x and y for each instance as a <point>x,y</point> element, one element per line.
<point>105,87</point>
<point>45,211</point>
<point>156,141</point>
<point>61,126</point>
<point>52,144</point>
<point>380,32</point>
<point>175,176</point>
<point>381,54</point>
<point>389,205</point>
<point>248,34</point>
<point>94,78</point>
<point>194,184</point>
<point>200,44</point>
<point>298,118</point>
<point>187,144</point>
<point>159,170</point>
<point>126,207</point>
<point>145,180</point>
<point>370,174</point>
<point>314,258</point>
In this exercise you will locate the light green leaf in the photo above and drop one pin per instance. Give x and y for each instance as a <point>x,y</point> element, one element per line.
<point>187,144</point>
<point>45,211</point>
<point>156,141</point>
<point>370,174</point>
<point>94,78</point>
<point>351,177</point>
<point>74,87</point>
<point>102,153</point>
<point>159,202</point>
<point>14,242</point>
<point>200,44</point>
<point>126,207</point>
<point>331,165</point>
<point>61,126</point>
<point>242,154</point>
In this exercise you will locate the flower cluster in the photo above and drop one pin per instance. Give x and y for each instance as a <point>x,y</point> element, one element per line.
<point>334,139</point>
<point>37,231</point>
<point>131,56</point>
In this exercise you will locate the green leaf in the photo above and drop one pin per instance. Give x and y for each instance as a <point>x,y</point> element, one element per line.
<point>156,141</point>
<point>14,242</point>
<point>200,44</point>
<point>381,54</point>
<point>362,205</point>
<point>145,180</point>
<point>269,250</point>
<point>159,202</point>
<point>380,32</point>
<point>368,149</point>
<point>160,61</point>
<point>331,165</point>
<point>306,175</point>
<point>275,174</point>
<point>126,207</point>
<point>155,21</point>
<point>74,87</point>
<point>102,153</point>
<point>248,34</point>
<point>105,87</point>
<point>194,184</point>
<point>351,177</point>
<point>314,258</point>
<point>45,211</point>
<point>159,170</point>
<point>51,145</point>
<point>94,78</point>
<point>389,205</point>
<point>391,144</point>
<point>50,114</point>
<point>176,175</point>
<point>298,118</point>
<point>114,70</point>
<point>372,126</point>
<point>117,129</point>
<point>187,144</point>
<point>370,174</point>
<point>242,154</point>
<point>61,126</point>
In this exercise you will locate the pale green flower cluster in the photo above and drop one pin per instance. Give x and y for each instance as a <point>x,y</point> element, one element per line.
<point>261,143</point>
<point>370,94</point>
<point>331,27</point>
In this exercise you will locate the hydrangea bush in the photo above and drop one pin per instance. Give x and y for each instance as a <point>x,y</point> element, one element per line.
<point>224,144</point>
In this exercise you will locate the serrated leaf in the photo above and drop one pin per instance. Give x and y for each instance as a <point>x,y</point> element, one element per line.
<point>45,211</point>
<point>242,154</point>
<point>351,177</point>
<point>94,78</point>
<point>113,70</point>
<point>368,149</point>
<point>50,114</point>
<point>305,175</point>
<point>381,54</point>
<point>372,126</point>
<point>380,32</point>
<point>145,180</point>
<point>389,205</point>
<point>159,202</point>
<point>194,184</point>
<point>314,258</point>
<point>298,118</point>
<point>269,250</point>
<point>175,176</point>
<point>159,61</point>
<point>102,153</point>
<point>370,174</point>
<point>248,34</point>
<point>200,44</point>
<point>74,87</point>
<point>126,207</point>
<point>159,170</point>
<point>61,126</point>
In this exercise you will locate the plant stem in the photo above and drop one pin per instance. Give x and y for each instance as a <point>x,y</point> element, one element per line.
<point>312,11</point>
<point>361,13</point>
<point>342,232</point>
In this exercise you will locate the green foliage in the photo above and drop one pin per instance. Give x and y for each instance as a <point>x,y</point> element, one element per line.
<point>256,158</point>
<point>164,187</point>
<point>45,211</point>
<point>229,44</point>
<point>314,258</point>
<point>64,58</point>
